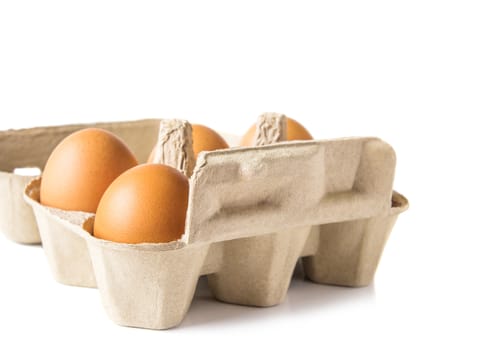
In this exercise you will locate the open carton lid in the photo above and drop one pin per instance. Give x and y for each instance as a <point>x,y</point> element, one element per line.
<point>242,192</point>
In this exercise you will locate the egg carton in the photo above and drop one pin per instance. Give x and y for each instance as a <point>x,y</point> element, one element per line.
<point>253,212</point>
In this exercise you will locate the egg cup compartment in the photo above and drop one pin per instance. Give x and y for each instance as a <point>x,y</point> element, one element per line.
<point>31,148</point>
<point>256,271</point>
<point>252,213</point>
<point>144,285</point>
<point>66,252</point>
<point>348,253</point>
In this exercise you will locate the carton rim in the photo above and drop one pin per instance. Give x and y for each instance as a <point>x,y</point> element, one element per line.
<point>82,230</point>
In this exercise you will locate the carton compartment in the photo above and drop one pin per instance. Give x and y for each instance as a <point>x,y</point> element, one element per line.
<point>66,253</point>
<point>348,253</point>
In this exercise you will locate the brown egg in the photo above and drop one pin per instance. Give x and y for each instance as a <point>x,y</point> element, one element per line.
<point>146,204</point>
<point>295,131</point>
<point>81,168</point>
<point>203,139</point>
<point>206,139</point>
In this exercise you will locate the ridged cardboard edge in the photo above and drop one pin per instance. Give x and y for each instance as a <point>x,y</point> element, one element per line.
<point>31,147</point>
<point>348,253</point>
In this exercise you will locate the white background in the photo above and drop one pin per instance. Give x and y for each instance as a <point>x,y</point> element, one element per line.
<point>407,71</point>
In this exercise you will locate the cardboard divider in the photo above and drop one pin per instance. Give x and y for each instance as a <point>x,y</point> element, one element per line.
<point>174,146</point>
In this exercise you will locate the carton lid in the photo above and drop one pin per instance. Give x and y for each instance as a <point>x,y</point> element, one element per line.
<point>241,192</point>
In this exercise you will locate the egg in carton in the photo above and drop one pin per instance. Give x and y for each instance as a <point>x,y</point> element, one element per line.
<point>67,254</point>
<point>252,213</point>
<point>30,148</point>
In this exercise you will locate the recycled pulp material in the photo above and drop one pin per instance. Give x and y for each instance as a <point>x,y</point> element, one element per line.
<point>66,253</point>
<point>252,213</point>
<point>16,218</point>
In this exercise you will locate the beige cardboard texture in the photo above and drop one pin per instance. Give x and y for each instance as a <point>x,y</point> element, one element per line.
<point>17,221</point>
<point>270,128</point>
<point>66,253</point>
<point>287,185</point>
<point>32,147</point>
<point>147,288</point>
<point>174,145</point>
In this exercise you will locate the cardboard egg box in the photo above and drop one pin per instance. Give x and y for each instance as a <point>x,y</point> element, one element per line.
<point>253,212</point>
